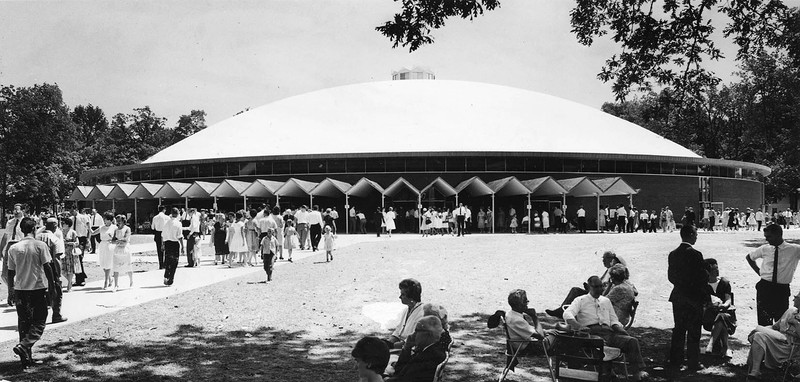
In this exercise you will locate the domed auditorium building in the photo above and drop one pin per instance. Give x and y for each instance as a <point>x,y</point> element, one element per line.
<point>425,143</point>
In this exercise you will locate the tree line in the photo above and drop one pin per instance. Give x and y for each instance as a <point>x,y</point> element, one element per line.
<point>755,119</point>
<point>46,145</point>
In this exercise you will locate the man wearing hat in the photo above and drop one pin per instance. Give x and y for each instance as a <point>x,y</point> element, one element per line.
<point>56,247</point>
<point>425,356</point>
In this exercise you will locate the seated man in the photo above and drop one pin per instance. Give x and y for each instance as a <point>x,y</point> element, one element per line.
<point>428,310</point>
<point>425,356</point>
<point>772,345</point>
<point>609,259</point>
<point>522,323</point>
<point>372,356</point>
<point>594,312</point>
<point>622,293</point>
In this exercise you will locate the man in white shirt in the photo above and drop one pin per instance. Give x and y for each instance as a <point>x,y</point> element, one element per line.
<point>594,312</point>
<point>461,215</point>
<point>581,219</point>
<point>95,221</point>
<point>55,245</point>
<point>13,233</point>
<point>759,218</point>
<point>772,290</point>
<point>172,234</point>
<point>29,265</point>
<point>522,323</point>
<point>362,222</point>
<point>622,218</point>
<point>302,225</point>
<point>351,220</point>
<point>315,226</point>
<point>158,225</point>
<point>334,216</point>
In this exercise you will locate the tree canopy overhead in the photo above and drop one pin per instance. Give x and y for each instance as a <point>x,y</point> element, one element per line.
<point>662,42</point>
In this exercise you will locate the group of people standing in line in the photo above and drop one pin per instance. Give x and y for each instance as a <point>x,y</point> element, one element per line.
<point>242,238</point>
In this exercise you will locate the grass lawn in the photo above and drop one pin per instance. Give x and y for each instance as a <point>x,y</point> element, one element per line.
<point>302,326</point>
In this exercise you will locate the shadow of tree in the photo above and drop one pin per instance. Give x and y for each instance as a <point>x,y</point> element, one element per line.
<point>755,243</point>
<point>193,353</point>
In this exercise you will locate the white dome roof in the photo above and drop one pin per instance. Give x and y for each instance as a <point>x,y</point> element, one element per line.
<point>420,116</point>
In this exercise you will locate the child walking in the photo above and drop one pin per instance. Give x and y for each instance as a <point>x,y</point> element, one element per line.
<point>328,237</point>
<point>290,239</point>
<point>269,245</point>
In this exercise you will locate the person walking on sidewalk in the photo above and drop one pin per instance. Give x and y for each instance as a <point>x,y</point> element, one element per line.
<point>56,247</point>
<point>29,264</point>
<point>173,246</point>
<point>158,225</point>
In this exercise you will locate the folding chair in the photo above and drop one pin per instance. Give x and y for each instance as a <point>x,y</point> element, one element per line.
<point>584,357</point>
<point>514,350</point>
<point>633,310</point>
<point>439,375</point>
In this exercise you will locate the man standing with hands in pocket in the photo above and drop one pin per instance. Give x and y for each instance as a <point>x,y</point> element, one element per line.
<point>772,291</point>
<point>689,276</point>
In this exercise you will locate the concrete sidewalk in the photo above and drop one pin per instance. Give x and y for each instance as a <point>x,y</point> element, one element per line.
<point>92,301</point>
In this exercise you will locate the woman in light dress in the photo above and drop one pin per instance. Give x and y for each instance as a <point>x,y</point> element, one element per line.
<point>481,220</point>
<point>237,244</point>
<point>425,225</point>
<point>70,243</point>
<point>251,236</point>
<point>105,254</point>
<point>122,252</point>
<point>388,218</point>
<point>279,227</point>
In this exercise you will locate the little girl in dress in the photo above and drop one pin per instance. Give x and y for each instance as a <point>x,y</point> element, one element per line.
<point>328,237</point>
<point>290,240</point>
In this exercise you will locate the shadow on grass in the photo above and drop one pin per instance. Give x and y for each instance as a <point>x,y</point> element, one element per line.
<point>193,353</point>
<point>755,243</point>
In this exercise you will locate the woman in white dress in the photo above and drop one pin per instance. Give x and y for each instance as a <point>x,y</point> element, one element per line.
<point>122,252</point>
<point>389,217</point>
<point>425,225</point>
<point>237,244</point>
<point>105,254</point>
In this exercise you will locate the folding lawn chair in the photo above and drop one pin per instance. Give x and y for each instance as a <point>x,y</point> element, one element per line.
<point>516,349</point>
<point>585,357</point>
<point>633,310</point>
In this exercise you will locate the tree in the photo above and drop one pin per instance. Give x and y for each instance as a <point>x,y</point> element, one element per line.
<point>662,42</point>
<point>91,128</point>
<point>756,119</point>
<point>38,146</point>
<point>135,137</point>
<point>188,125</point>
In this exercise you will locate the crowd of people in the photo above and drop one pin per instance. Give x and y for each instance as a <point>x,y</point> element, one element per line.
<point>39,251</point>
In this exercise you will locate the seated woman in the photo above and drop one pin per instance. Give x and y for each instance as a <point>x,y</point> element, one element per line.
<point>410,296</point>
<point>622,293</point>
<point>772,345</point>
<point>372,356</point>
<point>609,259</point>
<point>719,317</point>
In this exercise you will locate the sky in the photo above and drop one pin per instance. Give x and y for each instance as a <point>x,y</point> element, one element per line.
<point>224,56</point>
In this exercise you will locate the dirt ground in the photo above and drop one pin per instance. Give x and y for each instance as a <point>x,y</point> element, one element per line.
<point>302,326</point>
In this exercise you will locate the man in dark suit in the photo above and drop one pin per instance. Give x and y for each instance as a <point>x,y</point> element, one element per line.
<point>420,362</point>
<point>688,274</point>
